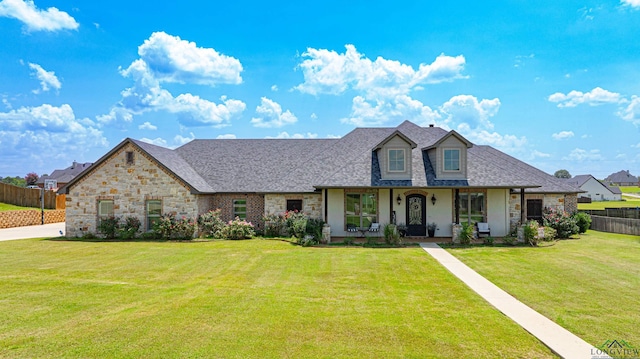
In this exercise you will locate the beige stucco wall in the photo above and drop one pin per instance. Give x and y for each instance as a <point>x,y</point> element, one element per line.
<point>498,212</point>
<point>277,203</point>
<point>335,202</point>
<point>129,186</point>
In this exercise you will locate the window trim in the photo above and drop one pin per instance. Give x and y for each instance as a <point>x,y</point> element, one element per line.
<point>404,160</point>
<point>148,215</point>
<point>291,200</point>
<point>360,213</point>
<point>234,205</point>
<point>467,217</point>
<point>444,160</point>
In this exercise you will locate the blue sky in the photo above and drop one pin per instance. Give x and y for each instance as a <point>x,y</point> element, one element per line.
<point>556,84</point>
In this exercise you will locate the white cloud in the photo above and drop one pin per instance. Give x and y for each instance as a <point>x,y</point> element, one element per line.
<point>181,140</point>
<point>45,134</point>
<point>579,154</point>
<point>271,115</point>
<point>562,135</point>
<point>521,60</point>
<point>632,3</point>
<point>171,59</point>
<point>327,72</point>
<point>314,116</point>
<point>537,154</point>
<point>166,58</point>
<point>285,135</point>
<point>505,143</point>
<point>467,109</point>
<point>156,141</point>
<point>375,113</point>
<point>227,136</point>
<point>631,112</point>
<point>274,88</point>
<point>148,126</point>
<point>36,19</point>
<point>636,146</point>
<point>595,97</point>
<point>47,78</point>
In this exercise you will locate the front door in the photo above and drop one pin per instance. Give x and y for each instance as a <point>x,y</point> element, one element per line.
<point>416,215</point>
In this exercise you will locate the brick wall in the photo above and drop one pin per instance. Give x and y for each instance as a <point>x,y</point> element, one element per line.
<point>10,219</point>
<point>255,207</point>
<point>129,186</point>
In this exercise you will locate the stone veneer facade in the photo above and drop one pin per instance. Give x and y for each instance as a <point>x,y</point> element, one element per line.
<point>129,186</point>
<point>560,202</point>
<point>277,203</point>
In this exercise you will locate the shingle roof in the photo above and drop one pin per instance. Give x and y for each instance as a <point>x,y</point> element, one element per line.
<point>67,174</point>
<point>579,180</point>
<point>304,165</point>
<point>621,176</point>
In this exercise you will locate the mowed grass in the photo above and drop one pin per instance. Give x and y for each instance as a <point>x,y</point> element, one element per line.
<point>242,299</point>
<point>630,189</point>
<point>628,202</point>
<point>590,286</point>
<point>10,207</point>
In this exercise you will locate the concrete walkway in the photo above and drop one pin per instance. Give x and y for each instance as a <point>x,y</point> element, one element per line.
<point>46,230</point>
<point>558,339</point>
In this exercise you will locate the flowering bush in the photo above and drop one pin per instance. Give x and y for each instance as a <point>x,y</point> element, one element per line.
<point>168,227</point>
<point>210,224</point>
<point>238,229</point>
<point>109,227</point>
<point>273,225</point>
<point>129,228</point>
<point>564,224</point>
<point>296,223</point>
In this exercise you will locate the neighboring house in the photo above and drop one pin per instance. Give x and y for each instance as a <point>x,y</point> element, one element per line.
<point>407,174</point>
<point>595,189</point>
<point>622,178</point>
<point>59,178</point>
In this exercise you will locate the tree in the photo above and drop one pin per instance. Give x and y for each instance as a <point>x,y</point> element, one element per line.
<point>16,181</point>
<point>562,174</point>
<point>31,178</point>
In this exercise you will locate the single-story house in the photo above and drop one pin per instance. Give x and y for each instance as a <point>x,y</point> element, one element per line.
<point>59,178</point>
<point>407,175</point>
<point>622,178</point>
<point>595,189</point>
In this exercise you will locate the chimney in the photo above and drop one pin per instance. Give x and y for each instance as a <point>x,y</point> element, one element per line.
<point>73,166</point>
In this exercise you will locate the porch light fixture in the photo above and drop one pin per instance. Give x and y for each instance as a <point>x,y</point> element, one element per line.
<point>399,200</point>
<point>433,199</point>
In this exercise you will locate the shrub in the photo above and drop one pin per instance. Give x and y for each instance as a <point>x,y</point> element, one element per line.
<point>307,241</point>
<point>583,220</point>
<point>296,223</point>
<point>238,229</point>
<point>488,241</point>
<point>109,227</point>
<point>391,234</point>
<point>530,233</point>
<point>168,227</point>
<point>210,225</point>
<point>314,228</point>
<point>509,240</point>
<point>564,224</point>
<point>273,225</point>
<point>466,234</point>
<point>129,228</point>
<point>549,233</point>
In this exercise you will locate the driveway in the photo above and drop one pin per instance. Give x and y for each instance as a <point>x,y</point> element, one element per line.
<point>46,230</point>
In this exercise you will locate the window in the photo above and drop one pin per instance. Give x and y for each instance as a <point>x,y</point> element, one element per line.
<point>396,160</point>
<point>294,205</point>
<point>361,209</point>
<point>105,209</point>
<point>472,205</point>
<point>534,209</point>
<point>240,208</point>
<point>452,160</point>
<point>130,157</point>
<point>154,212</point>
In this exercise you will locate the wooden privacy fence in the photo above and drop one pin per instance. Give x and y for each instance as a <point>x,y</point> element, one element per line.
<point>27,197</point>
<point>633,213</point>
<point>616,225</point>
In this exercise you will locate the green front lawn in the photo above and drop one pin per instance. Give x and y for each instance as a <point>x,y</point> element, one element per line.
<point>10,207</point>
<point>630,189</point>
<point>254,298</point>
<point>628,202</point>
<point>590,286</point>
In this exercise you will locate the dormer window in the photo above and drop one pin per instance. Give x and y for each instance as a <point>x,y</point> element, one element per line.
<point>396,160</point>
<point>451,160</point>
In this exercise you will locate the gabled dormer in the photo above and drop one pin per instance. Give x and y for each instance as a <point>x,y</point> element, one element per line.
<point>394,156</point>
<point>448,156</point>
